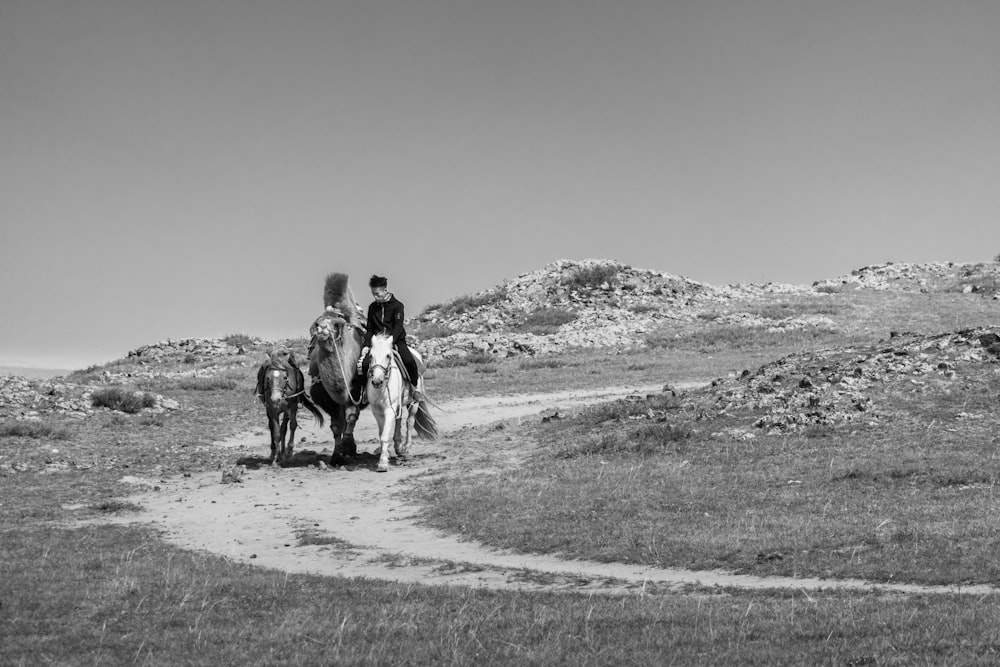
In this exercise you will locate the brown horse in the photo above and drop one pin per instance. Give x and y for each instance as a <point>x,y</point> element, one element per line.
<point>333,354</point>
<point>281,386</point>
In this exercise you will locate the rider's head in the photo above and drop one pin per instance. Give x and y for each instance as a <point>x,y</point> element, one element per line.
<point>380,287</point>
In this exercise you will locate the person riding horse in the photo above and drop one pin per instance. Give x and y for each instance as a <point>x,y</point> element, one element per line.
<point>385,315</point>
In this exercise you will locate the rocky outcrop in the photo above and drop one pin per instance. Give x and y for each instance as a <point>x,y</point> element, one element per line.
<point>192,347</point>
<point>843,385</point>
<point>32,399</point>
<point>611,305</point>
<point>968,278</point>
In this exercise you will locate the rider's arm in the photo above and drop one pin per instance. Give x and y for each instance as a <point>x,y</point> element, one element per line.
<point>398,331</point>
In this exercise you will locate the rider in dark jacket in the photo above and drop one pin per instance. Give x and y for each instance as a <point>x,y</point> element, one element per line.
<point>385,315</point>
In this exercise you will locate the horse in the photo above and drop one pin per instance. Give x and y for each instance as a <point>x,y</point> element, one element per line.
<point>281,386</point>
<point>390,395</point>
<point>334,347</point>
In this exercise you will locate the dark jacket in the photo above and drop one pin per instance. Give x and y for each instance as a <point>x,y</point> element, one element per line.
<point>386,317</point>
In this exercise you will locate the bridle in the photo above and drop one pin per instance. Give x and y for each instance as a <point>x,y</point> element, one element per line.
<point>386,369</point>
<point>274,373</point>
<point>383,384</point>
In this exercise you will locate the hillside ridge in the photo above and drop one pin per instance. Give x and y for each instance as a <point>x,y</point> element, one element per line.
<point>604,303</point>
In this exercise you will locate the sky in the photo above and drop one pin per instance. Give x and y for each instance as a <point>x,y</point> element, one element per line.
<point>195,168</point>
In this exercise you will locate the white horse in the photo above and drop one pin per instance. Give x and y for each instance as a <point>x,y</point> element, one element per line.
<point>390,397</point>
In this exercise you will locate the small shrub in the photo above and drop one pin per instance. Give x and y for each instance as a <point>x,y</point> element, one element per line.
<point>32,429</point>
<point>122,400</point>
<point>483,368</point>
<point>545,320</point>
<point>830,289</point>
<point>239,340</point>
<point>640,308</point>
<point>592,277</point>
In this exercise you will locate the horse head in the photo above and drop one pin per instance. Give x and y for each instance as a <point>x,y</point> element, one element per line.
<point>276,385</point>
<point>381,359</point>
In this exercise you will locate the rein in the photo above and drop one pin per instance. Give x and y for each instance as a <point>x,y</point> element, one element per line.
<point>344,368</point>
<point>383,387</point>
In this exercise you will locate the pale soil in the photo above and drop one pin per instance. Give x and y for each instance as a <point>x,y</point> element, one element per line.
<point>375,534</point>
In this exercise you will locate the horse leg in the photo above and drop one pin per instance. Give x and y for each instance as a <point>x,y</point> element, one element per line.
<point>293,423</point>
<point>411,416</point>
<point>273,429</point>
<point>281,438</point>
<point>386,429</point>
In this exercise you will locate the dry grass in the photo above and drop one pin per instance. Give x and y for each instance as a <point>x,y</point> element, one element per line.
<point>119,596</point>
<point>912,499</point>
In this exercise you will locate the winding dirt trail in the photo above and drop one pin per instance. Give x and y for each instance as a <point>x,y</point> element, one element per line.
<point>360,527</point>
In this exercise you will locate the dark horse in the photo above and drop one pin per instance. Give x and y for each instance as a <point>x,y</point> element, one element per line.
<point>334,348</point>
<point>281,386</point>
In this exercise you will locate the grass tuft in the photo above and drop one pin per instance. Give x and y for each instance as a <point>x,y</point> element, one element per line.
<point>32,429</point>
<point>644,440</point>
<point>213,383</point>
<point>122,400</point>
<point>115,506</point>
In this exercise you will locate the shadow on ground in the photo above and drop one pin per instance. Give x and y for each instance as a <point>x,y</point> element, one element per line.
<point>307,458</point>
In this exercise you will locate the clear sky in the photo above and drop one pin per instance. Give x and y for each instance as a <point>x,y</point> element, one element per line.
<point>188,168</point>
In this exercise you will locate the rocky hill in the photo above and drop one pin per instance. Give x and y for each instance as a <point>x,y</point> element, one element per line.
<point>603,303</point>
<point>589,303</point>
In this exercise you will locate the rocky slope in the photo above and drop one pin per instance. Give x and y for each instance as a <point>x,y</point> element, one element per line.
<point>24,398</point>
<point>978,278</point>
<point>589,303</point>
<point>844,385</point>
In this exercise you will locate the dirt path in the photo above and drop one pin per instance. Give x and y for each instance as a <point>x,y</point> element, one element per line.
<point>358,526</point>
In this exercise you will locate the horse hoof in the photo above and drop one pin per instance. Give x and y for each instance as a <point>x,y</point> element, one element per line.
<point>382,468</point>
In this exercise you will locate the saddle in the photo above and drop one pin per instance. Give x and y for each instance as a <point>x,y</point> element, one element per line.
<point>281,359</point>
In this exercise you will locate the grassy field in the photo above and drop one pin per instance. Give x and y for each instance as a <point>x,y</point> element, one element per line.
<point>911,499</point>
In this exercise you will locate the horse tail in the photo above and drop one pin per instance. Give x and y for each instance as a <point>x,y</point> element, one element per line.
<point>312,408</point>
<point>424,422</point>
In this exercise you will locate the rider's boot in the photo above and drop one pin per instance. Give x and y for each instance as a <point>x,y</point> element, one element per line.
<point>418,391</point>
